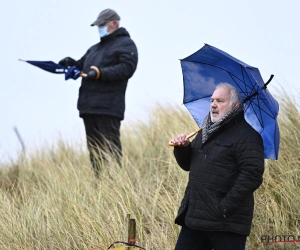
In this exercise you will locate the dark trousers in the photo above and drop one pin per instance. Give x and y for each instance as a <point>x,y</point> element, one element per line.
<point>191,239</point>
<point>103,139</point>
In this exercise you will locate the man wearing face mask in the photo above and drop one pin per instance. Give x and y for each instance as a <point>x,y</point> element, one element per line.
<point>101,103</point>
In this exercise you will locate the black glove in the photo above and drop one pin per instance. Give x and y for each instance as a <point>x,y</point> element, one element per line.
<point>67,61</point>
<point>91,75</point>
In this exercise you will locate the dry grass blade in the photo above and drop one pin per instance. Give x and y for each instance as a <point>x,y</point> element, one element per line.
<point>51,200</point>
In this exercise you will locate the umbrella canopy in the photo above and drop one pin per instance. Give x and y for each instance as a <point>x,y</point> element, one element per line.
<point>71,72</point>
<point>208,67</point>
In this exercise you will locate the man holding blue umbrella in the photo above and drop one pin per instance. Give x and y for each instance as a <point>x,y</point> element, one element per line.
<point>101,103</point>
<point>226,164</point>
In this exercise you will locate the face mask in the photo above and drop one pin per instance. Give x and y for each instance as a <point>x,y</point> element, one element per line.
<point>103,31</point>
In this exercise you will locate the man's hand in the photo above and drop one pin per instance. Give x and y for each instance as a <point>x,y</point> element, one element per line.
<point>181,141</point>
<point>67,61</point>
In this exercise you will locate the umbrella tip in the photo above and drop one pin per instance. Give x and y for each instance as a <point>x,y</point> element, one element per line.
<point>21,60</point>
<point>266,84</point>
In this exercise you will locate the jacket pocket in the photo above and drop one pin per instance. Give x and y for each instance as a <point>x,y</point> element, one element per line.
<point>224,145</point>
<point>215,191</point>
<point>222,152</point>
<point>214,195</point>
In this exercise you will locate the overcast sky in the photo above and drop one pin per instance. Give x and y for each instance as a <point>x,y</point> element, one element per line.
<point>263,34</point>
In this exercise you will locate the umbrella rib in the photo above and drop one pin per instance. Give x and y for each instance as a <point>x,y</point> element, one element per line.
<point>260,109</point>
<point>252,87</point>
<point>270,114</point>
<point>259,99</point>
<point>230,74</point>
<point>259,118</point>
<point>253,90</point>
<point>238,86</point>
<point>248,93</point>
<point>242,80</point>
<point>203,97</point>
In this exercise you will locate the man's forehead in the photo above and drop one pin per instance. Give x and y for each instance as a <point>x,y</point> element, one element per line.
<point>221,92</point>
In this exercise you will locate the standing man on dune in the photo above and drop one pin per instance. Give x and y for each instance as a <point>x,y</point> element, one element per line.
<point>101,101</point>
<point>226,165</point>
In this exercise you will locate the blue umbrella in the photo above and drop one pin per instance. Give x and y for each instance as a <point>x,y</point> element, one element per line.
<point>71,72</point>
<point>209,66</point>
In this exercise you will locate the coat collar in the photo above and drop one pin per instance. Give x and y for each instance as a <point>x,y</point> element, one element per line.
<point>236,119</point>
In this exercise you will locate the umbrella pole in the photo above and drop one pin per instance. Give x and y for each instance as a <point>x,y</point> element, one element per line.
<point>188,137</point>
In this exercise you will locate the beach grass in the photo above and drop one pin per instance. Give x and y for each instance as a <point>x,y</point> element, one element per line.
<point>50,199</point>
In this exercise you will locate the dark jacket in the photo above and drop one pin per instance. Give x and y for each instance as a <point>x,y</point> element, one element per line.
<point>224,173</point>
<point>116,57</point>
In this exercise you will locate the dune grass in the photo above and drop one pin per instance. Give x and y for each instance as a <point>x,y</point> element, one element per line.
<point>50,199</point>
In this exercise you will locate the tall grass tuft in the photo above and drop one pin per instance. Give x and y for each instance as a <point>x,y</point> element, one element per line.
<point>50,199</point>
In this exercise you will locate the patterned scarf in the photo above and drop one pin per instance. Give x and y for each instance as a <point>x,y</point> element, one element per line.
<point>208,127</point>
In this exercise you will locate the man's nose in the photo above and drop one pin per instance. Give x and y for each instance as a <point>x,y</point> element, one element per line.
<point>213,104</point>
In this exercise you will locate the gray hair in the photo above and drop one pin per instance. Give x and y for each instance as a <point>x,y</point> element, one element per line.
<point>235,94</point>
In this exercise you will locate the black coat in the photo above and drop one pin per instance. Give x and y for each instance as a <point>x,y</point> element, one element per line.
<point>224,173</point>
<point>116,57</point>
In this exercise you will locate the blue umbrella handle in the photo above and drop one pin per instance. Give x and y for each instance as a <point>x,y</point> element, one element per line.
<point>188,137</point>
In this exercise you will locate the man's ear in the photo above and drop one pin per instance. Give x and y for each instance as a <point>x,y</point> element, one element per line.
<point>236,104</point>
<point>115,22</point>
